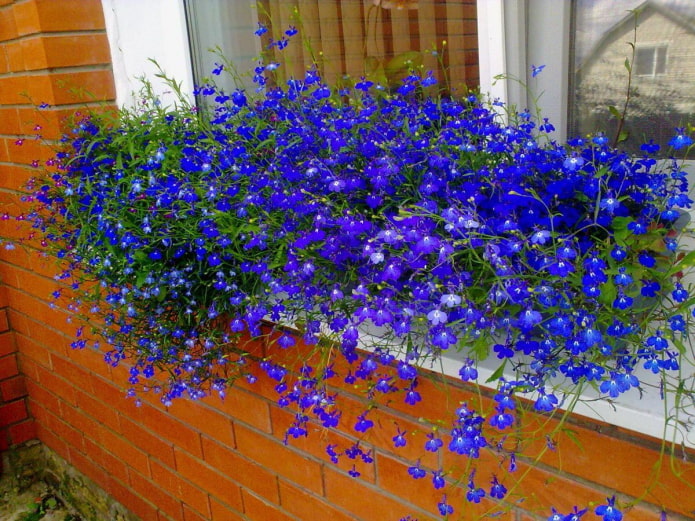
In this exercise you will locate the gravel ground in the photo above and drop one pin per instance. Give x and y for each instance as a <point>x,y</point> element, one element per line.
<point>22,498</point>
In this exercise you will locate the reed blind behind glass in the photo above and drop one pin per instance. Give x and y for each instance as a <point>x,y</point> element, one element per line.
<point>345,39</point>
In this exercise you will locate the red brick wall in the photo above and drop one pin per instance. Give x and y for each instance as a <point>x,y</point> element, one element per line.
<point>15,424</point>
<point>226,460</point>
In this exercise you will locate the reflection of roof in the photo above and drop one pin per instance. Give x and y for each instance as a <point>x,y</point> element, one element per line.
<point>644,8</point>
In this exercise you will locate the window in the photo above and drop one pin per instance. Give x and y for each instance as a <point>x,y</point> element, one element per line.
<point>650,60</point>
<point>663,69</point>
<point>345,39</point>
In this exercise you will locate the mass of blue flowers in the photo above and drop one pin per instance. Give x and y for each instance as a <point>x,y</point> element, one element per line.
<point>383,226</point>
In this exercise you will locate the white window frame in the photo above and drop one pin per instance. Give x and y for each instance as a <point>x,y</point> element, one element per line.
<point>513,36</point>
<point>654,47</point>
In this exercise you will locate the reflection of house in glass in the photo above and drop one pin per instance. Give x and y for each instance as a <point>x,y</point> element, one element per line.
<point>663,76</point>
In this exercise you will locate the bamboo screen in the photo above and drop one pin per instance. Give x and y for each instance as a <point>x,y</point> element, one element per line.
<point>379,39</point>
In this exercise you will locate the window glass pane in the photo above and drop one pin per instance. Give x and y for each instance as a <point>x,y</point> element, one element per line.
<point>644,61</point>
<point>662,97</point>
<point>379,39</point>
<point>660,65</point>
<point>227,26</point>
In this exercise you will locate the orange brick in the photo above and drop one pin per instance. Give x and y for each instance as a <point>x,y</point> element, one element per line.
<point>141,507</point>
<point>191,495</point>
<point>8,27</point>
<point>99,411</point>
<point>52,441</point>
<point>30,150</point>
<point>55,51</point>
<point>22,432</point>
<point>8,367</point>
<point>58,88</point>
<point>68,15</point>
<point>61,387</point>
<point>310,444</point>
<point>32,351</point>
<point>113,465</point>
<point>191,515</point>
<point>287,462</point>
<point>222,512</point>
<point>247,473</point>
<point>198,416</point>
<point>259,510</point>
<point>4,59</point>
<point>72,372</point>
<point>26,17</point>
<point>88,467</point>
<point>393,477</point>
<point>304,505</point>
<point>386,426</point>
<point>28,369</point>
<point>124,449</point>
<point>66,432</point>
<point>54,122</point>
<point>263,387</point>
<point>167,427</point>
<point>13,412</point>
<point>14,89</point>
<point>38,395</point>
<point>4,323</point>
<point>90,360</point>
<point>626,465</point>
<point>105,391</point>
<point>80,421</point>
<point>14,56</point>
<point>9,120</point>
<point>539,489</point>
<point>154,493</point>
<point>7,344</point>
<point>207,478</point>
<point>156,448</point>
<point>13,388</point>
<point>246,407</point>
<point>79,87</point>
<point>363,501</point>
<point>28,55</point>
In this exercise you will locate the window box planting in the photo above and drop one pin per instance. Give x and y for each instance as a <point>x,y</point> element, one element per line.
<point>337,211</point>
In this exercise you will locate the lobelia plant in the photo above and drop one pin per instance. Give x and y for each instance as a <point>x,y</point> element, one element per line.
<point>387,228</point>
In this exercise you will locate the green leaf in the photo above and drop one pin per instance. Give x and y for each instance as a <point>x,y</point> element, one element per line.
<point>679,344</point>
<point>620,231</point>
<point>142,275</point>
<point>620,223</point>
<point>627,65</point>
<point>498,373</point>
<point>614,111</point>
<point>573,436</point>
<point>624,134</point>
<point>480,348</point>
<point>686,262</point>
<point>608,293</point>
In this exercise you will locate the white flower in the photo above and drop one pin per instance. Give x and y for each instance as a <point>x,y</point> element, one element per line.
<point>450,300</point>
<point>436,317</point>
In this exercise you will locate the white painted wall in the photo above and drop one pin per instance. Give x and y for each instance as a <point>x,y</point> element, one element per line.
<point>142,29</point>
